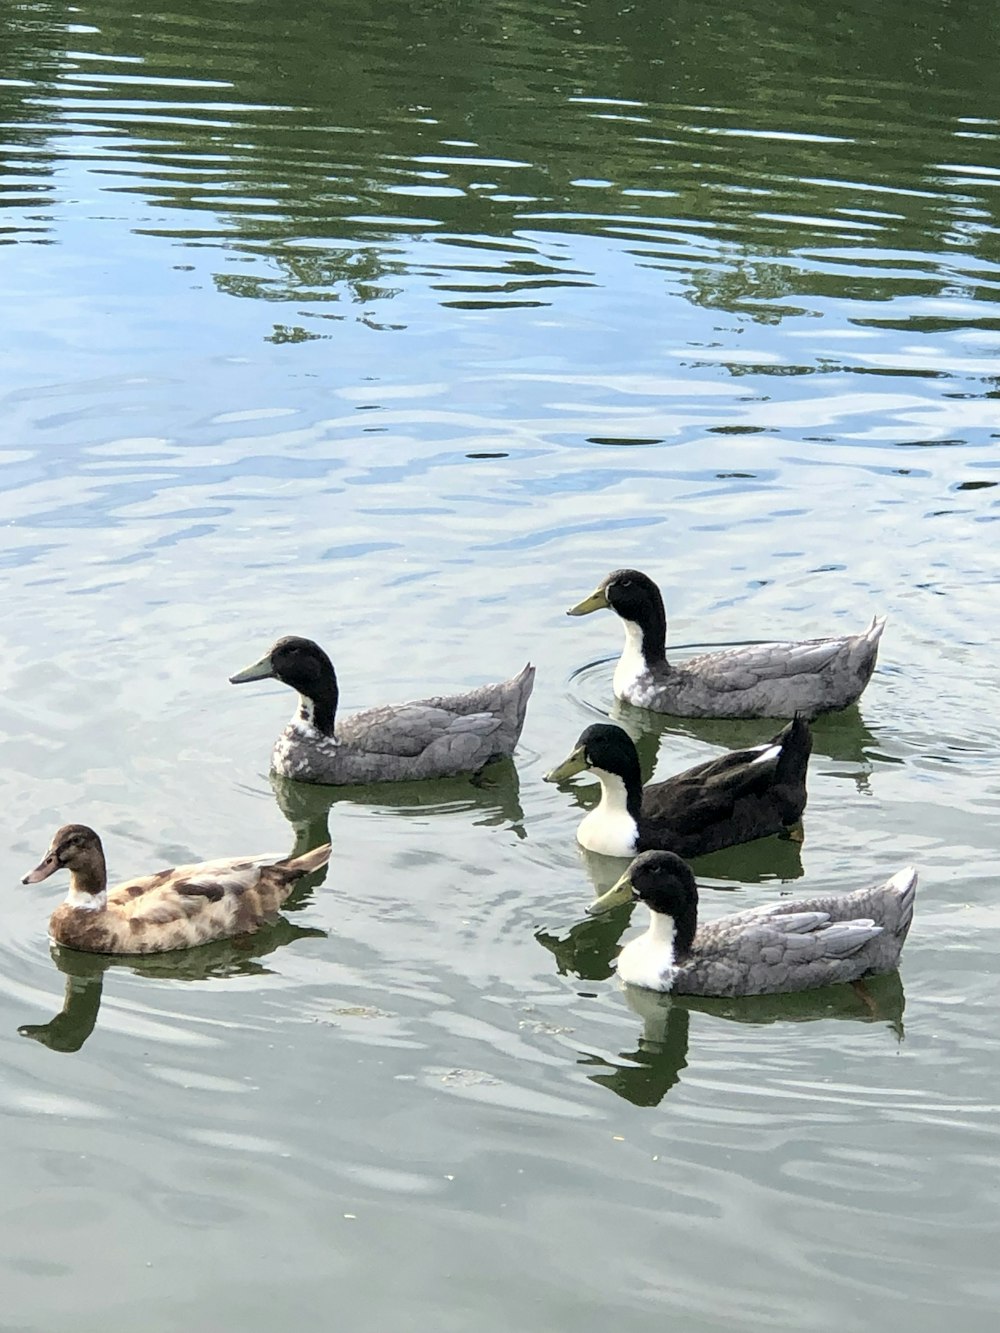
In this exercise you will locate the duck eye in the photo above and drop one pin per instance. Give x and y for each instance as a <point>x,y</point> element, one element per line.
<point>624,583</point>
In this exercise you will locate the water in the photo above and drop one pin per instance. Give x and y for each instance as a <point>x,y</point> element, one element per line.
<point>400,332</point>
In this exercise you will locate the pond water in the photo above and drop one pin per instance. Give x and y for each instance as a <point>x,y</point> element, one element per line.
<point>398,327</point>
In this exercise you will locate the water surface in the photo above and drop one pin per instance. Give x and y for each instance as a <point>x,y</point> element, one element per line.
<point>399,330</point>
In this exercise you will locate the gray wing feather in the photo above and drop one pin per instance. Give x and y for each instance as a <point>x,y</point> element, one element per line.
<point>769,679</point>
<point>798,945</point>
<point>408,729</point>
<point>742,668</point>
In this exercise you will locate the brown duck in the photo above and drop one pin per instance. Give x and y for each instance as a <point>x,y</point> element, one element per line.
<point>176,908</point>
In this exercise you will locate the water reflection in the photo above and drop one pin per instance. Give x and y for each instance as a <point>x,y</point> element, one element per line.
<point>84,973</point>
<point>758,862</point>
<point>843,736</point>
<point>493,796</point>
<point>31,61</point>
<point>645,1075</point>
<point>588,949</point>
<point>325,180</point>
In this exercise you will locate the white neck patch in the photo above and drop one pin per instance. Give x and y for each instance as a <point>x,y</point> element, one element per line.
<point>649,960</point>
<point>86,902</point>
<point>631,665</point>
<point>610,829</point>
<point>303,723</point>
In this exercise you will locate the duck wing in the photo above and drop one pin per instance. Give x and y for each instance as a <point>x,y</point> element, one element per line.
<point>760,954</point>
<point>409,729</point>
<point>763,787</point>
<point>743,668</point>
<point>180,892</point>
<point>889,904</point>
<point>780,679</point>
<point>457,725</point>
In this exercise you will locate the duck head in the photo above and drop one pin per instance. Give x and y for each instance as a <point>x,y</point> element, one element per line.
<point>637,600</point>
<point>304,666</point>
<point>609,753</point>
<point>666,885</point>
<point>75,848</point>
<point>602,748</point>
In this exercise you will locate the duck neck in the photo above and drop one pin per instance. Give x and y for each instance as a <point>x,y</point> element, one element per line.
<point>646,638</point>
<point>661,937</point>
<point>317,710</point>
<point>621,794</point>
<point>88,884</point>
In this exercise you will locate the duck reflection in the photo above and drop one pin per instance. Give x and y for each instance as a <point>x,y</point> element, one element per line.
<point>493,795</point>
<point>84,972</point>
<point>841,737</point>
<point>645,1075</point>
<point>588,949</point>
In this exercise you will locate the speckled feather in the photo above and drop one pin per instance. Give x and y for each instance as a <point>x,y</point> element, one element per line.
<point>428,738</point>
<point>801,944</point>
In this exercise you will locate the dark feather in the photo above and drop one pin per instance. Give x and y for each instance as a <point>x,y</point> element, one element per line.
<point>213,892</point>
<point>729,800</point>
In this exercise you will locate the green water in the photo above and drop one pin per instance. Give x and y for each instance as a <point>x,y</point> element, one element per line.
<point>399,327</point>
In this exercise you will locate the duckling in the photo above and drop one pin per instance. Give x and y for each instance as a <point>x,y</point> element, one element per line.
<point>760,680</point>
<point>171,909</point>
<point>742,795</point>
<point>785,946</point>
<point>429,738</point>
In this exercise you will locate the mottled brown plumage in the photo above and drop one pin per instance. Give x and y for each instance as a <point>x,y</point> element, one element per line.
<point>176,908</point>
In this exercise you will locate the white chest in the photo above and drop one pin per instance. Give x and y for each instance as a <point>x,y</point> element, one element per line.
<point>610,833</point>
<point>649,960</point>
<point>86,902</point>
<point>609,830</point>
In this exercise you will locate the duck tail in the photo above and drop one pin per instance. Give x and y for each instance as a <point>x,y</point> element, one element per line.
<point>864,653</point>
<point>903,887</point>
<point>514,705</point>
<point>296,866</point>
<point>874,631</point>
<point>796,742</point>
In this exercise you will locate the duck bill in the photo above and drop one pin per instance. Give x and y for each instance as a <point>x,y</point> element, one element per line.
<point>597,601</point>
<point>576,763</point>
<point>262,670</point>
<point>620,892</point>
<point>46,867</point>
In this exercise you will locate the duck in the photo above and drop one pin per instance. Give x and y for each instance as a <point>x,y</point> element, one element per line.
<point>440,737</point>
<point>791,945</point>
<point>742,795</point>
<point>758,680</point>
<point>176,908</point>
